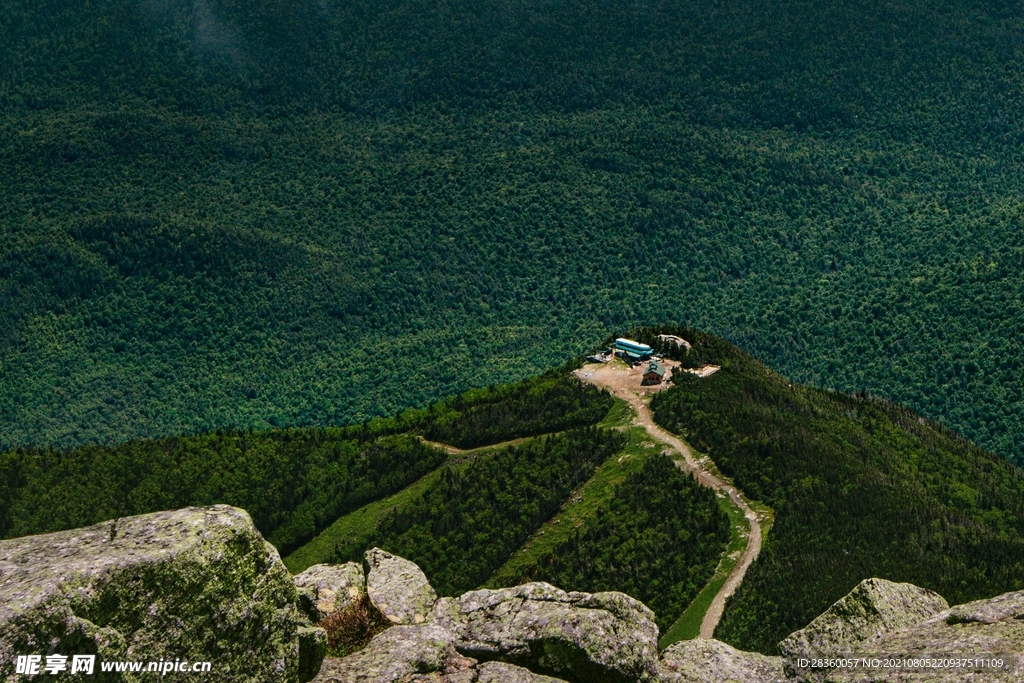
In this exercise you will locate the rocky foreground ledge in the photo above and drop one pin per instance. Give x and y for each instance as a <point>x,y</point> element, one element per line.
<point>198,584</point>
<point>201,584</point>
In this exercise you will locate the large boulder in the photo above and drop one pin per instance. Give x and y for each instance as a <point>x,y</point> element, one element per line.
<point>712,661</point>
<point>198,584</point>
<point>874,607</point>
<point>960,640</point>
<point>398,588</point>
<point>420,654</point>
<point>581,637</point>
<point>327,588</point>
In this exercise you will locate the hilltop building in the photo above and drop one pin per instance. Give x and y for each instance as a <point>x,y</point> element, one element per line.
<point>631,350</point>
<point>655,373</point>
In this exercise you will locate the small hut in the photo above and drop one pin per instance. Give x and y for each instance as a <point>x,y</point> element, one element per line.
<point>655,373</point>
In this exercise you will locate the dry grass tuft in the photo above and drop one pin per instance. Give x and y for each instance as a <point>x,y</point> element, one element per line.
<point>349,630</point>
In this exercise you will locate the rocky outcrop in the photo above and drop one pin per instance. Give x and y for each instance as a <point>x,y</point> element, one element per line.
<point>998,610</point>
<point>878,622</point>
<point>874,607</point>
<point>197,584</point>
<point>991,630</point>
<point>500,672</point>
<point>398,588</point>
<point>326,588</point>
<point>604,637</point>
<point>201,584</point>
<point>712,661</point>
<point>520,634</point>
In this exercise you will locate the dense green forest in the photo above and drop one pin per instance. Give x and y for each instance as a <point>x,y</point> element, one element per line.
<point>552,402</point>
<point>860,487</point>
<point>659,540</point>
<point>464,527</point>
<point>293,482</point>
<point>274,214</point>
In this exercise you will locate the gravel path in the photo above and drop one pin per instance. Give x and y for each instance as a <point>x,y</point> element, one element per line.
<point>624,383</point>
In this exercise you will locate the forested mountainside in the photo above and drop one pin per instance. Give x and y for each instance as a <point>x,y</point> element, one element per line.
<point>269,214</point>
<point>293,482</point>
<point>659,536</point>
<point>860,487</point>
<point>565,488</point>
<point>460,514</point>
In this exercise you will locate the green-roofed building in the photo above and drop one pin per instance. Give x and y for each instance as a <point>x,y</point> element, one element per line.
<point>655,373</point>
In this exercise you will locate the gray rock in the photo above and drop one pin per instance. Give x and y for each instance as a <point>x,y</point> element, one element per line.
<point>392,655</point>
<point>992,629</point>
<point>197,584</point>
<point>420,654</point>
<point>488,672</point>
<point>312,650</point>
<point>500,672</point>
<point>712,661</point>
<point>605,637</point>
<point>999,609</point>
<point>326,588</point>
<point>874,607</point>
<point>457,669</point>
<point>398,588</point>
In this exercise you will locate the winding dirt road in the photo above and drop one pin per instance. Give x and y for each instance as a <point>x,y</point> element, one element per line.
<point>624,383</point>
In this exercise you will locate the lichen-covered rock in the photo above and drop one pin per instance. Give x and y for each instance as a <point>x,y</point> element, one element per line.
<point>420,654</point>
<point>712,661</point>
<point>501,672</point>
<point>604,637</point>
<point>874,607</point>
<point>991,629</point>
<point>393,655</point>
<point>398,588</point>
<point>197,584</point>
<point>487,672</point>
<point>312,650</point>
<point>999,609</point>
<point>326,588</point>
<point>457,669</point>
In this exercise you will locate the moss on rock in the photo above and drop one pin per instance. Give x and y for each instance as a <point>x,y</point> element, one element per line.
<point>197,584</point>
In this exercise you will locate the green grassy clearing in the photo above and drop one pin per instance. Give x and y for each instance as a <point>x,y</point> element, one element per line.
<point>362,523</point>
<point>585,501</point>
<point>687,626</point>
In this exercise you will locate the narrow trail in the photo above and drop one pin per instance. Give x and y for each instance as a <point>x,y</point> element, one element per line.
<point>468,453</point>
<point>447,448</point>
<point>617,382</point>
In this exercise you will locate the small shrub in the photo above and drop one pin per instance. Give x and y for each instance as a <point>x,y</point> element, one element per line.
<point>349,630</point>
